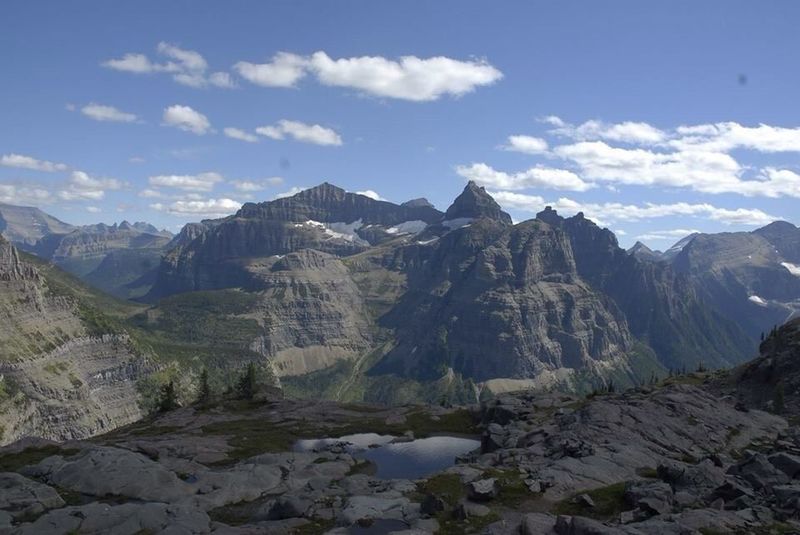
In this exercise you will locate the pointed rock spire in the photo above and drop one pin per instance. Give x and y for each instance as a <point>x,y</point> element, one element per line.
<point>475,203</point>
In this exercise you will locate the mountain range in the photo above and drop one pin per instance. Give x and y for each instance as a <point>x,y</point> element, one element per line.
<point>337,295</point>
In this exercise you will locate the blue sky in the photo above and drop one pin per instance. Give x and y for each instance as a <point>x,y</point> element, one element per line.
<point>654,118</point>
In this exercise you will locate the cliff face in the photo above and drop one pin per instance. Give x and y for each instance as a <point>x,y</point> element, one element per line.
<point>311,312</point>
<point>751,277</point>
<point>492,301</point>
<point>324,218</point>
<point>63,375</point>
<point>663,307</point>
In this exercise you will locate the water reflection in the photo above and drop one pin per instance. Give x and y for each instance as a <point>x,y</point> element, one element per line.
<point>394,460</point>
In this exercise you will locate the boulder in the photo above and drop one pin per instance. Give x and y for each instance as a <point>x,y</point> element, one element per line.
<point>126,519</point>
<point>20,496</point>
<point>787,463</point>
<point>483,490</point>
<point>103,471</point>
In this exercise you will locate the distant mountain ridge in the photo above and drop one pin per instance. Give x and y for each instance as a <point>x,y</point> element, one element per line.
<point>552,301</point>
<point>118,258</point>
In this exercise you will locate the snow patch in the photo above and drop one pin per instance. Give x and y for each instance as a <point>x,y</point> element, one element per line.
<point>338,230</point>
<point>793,269</point>
<point>757,300</point>
<point>458,222</point>
<point>408,227</point>
<point>427,242</point>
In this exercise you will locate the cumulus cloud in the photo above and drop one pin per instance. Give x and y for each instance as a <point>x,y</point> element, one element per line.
<point>285,70</point>
<point>24,195</point>
<point>604,213</point>
<point>101,112</point>
<point>29,162</point>
<point>93,209</point>
<point>371,194</point>
<point>237,133</point>
<point>699,170</point>
<point>200,208</point>
<point>526,144</point>
<point>249,186</point>
<point>536,177</point>
<point>294,190</point>
<point>135,63</point>
<point>187,119</point>
<point>727,136</point>
<point>667,235</point>
<point>627,132</point>
<point>186,67</point>
<point>408,78</point>
<point>306,133</point>
<point>81,186</point>
<point>198,182</point>
<point>149,193</point>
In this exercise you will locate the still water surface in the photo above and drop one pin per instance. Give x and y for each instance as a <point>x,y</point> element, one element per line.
<point>399,460</point>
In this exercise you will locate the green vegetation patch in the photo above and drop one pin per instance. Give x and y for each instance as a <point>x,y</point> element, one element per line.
<point>11,462</point>
<point>609,502</point>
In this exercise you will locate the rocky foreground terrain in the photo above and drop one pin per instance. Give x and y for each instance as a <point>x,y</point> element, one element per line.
<point>677,457</point>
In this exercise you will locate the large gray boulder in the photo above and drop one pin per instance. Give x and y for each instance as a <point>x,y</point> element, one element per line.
<point>104,471</point>
<point>20,496</point>
<point>126,519</point>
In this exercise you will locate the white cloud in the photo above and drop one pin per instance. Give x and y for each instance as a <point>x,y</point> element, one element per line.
<point>294,190</point>
<point>604,213</point>
<point>221,79</point>
<point>29,162</point>
<point>706,172</point>
<point>100,112</point>
<point>536,177</point>
<point>371,194</point>
<point>667,235</point>
<point>187,67</point>
<point>272,132</point>
<point>189,60</point>
<point>285,70</point>
<point>200,208</point>
<point>149,193</point>
<point>24,195</point>
<point>306,133</point>
<point>81,186</point>
<point>727,136</point>
<point>93,209</point>
<point>135,63</point>
<point>249,186</point>
<point>237,133</point>
<point>526,144</point>
<point>198,182</point>
<point>627,132</point>
<point>185,118</point>
<point>410,78</point>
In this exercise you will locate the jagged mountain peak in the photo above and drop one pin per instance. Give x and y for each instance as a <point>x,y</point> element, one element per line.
<point>418,202</point>
<point>475,203</point>
<point>777,227</point>
<point>549,216</point>
<point>643,252</point>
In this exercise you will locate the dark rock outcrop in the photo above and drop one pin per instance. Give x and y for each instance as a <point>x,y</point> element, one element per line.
<point>475,203</point>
